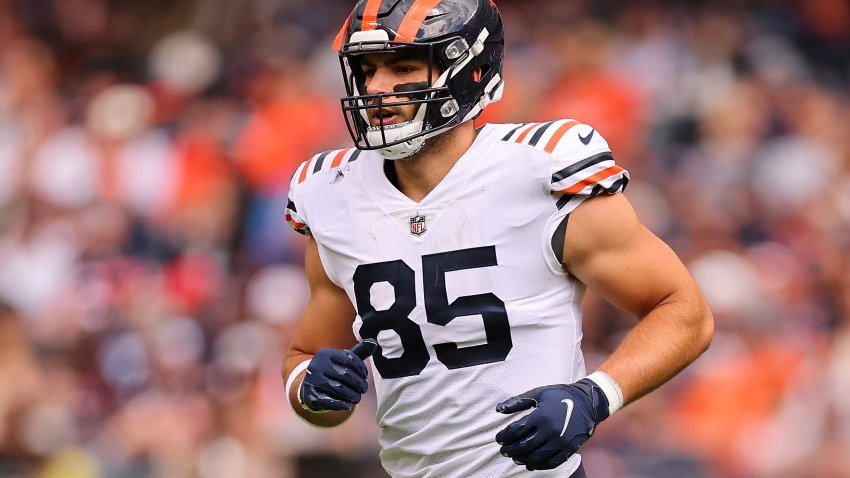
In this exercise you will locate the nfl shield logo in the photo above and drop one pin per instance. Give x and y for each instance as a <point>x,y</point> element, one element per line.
<point>417,225</point>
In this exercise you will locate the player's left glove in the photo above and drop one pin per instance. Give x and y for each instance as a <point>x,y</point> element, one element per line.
<point>564,418</point>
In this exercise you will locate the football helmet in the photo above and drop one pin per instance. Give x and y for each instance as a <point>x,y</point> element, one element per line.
<point>456,36</point>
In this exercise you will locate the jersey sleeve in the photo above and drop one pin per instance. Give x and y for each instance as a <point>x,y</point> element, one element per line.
<point>582,167</point>
<point>315,166</point>
<point>295,219</point>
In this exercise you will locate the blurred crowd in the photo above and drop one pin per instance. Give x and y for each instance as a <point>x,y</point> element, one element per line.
<point>149,285</point>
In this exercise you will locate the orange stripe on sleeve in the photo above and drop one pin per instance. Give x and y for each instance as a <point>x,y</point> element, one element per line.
<point>553,142</point>
<point>413,20</point>
<point>293,222</point>
<point>525,132</point>
<point>338,157</point>
<point>303,175</point>
<point>370,15</point>
<point>601,175</point>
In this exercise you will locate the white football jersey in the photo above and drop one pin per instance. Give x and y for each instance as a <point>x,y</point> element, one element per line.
<point>464,290</point>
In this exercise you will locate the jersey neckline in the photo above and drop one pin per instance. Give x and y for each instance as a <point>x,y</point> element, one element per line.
<point>390,199</point>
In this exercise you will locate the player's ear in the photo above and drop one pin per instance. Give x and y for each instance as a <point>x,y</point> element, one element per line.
<point>476,75</point>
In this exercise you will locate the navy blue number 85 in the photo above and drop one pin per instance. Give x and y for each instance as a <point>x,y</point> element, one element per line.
<point>437,310</point>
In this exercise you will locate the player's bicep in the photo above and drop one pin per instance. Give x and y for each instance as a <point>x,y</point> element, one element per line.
<point>609,250</point>
<point>328,315</point>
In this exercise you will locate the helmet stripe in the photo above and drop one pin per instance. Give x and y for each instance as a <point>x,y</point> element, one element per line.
<point>339,36</point>
<point>370,15</point>
<point>413,20</point>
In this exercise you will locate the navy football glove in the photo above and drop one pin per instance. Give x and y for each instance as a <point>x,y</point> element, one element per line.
<point>336,379</point>
<point>564,418</point>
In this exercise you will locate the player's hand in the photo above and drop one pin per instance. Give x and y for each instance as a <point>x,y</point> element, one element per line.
<point>564,418</point>
<point>336,379</point>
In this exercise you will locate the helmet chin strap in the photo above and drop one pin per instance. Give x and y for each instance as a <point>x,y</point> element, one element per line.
<point>396,132</point>
<point>410,147</point>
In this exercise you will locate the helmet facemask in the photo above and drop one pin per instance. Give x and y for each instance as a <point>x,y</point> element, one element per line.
<point>442,99</point>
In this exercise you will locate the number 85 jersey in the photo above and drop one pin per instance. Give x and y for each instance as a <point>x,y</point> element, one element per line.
<point>464,290</point>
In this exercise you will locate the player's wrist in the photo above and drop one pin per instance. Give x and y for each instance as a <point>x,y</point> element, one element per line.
<point>293,378</point>
<point>610,388</point>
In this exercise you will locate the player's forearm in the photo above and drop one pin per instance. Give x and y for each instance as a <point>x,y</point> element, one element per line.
<point>668,338</point>
<point>325,420</point>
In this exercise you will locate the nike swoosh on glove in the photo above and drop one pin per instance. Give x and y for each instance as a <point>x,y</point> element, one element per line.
<point>563,419</point>
<point>336,378</point>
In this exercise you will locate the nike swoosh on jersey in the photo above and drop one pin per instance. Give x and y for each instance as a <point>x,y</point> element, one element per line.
<point>586,139</point>
<point>569,414</point>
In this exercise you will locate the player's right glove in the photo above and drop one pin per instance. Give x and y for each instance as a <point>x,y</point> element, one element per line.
<point>563,419</point>
<point>336,379</point>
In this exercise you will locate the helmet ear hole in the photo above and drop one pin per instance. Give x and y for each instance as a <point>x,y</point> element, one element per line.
<point>478,74</point>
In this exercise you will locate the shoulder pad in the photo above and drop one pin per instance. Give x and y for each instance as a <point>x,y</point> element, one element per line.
<point>548,137</point>
<point>320,162</point>
<point>324,161</point>
<point>582,163</point>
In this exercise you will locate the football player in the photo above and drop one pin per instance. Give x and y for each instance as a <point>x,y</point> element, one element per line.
<point>458,257</point>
